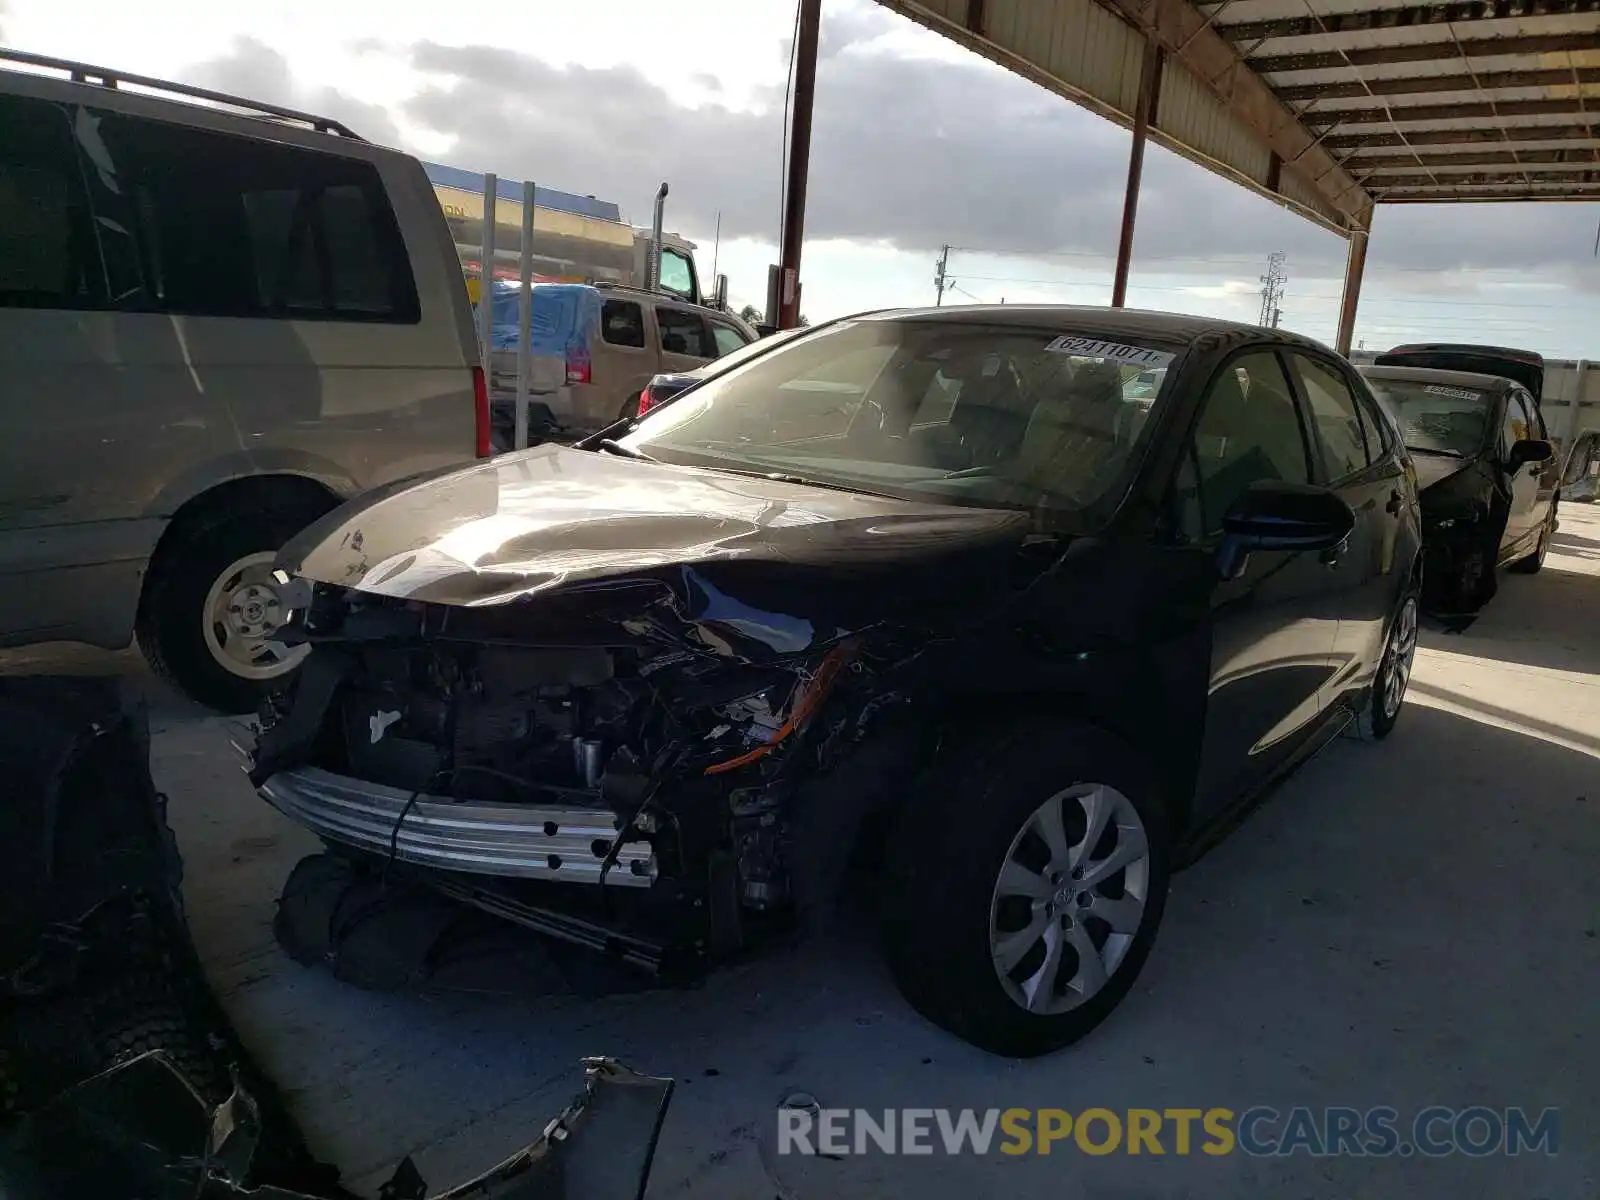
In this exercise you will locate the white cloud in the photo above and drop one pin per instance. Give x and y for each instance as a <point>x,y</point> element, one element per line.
<point>917,142</point>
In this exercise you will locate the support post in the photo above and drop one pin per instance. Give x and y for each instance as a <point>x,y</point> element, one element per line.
<point>1143,113</point>
<point>794,191</point>
<point>491,191</point>
<point>1355,266</point>
<point>525,315</point>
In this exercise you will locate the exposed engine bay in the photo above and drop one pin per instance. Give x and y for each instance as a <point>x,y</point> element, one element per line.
<point>621,784</point>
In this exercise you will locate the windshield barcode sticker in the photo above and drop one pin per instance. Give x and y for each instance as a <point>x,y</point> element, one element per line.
<point>1095,348</point>
<point>1435,389</point>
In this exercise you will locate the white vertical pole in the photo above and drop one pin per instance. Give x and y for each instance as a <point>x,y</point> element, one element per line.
<point>525,315</point>
<point>491,189</point>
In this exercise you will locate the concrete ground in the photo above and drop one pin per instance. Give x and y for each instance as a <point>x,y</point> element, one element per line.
<point>1404,924</point>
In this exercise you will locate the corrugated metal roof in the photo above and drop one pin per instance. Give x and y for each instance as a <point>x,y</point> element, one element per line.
<point>1328,105</point>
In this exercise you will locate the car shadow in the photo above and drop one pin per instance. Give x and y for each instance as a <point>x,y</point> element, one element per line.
<point>1542,620</point>
<point>1403,923</point>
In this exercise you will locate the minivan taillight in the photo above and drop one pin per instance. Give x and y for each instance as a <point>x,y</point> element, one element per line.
<point>577,366</point>
<point>480,409</point>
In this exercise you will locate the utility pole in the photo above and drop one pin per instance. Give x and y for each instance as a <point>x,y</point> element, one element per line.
<point>1272,285</point>
<point>939,280</point>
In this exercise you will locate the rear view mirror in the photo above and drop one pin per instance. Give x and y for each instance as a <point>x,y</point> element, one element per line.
<point>1529,450</point>
<point>1274,515</point>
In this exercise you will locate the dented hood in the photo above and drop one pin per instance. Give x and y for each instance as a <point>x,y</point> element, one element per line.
<point>529,522</point>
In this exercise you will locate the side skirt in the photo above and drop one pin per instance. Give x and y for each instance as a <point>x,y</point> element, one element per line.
<point>1207,836</point>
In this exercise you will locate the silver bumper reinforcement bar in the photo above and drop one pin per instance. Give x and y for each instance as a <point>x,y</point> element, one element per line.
<point>567,845</point>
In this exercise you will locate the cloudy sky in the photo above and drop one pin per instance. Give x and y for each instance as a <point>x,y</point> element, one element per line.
<point>916,144</point>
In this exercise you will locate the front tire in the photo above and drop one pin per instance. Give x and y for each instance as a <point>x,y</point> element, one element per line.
<point>210,606</point>
<point>1026,888</point>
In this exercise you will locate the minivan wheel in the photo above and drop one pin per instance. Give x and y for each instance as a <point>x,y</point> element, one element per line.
<point>1026,888</point>
<point>210,608</point>
<point>1382,708</point>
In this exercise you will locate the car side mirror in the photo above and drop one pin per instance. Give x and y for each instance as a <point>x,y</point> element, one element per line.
<point>1274,515</point>
<point>1529,450</point>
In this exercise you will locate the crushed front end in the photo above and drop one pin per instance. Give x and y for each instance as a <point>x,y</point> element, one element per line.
<point>611,764</point>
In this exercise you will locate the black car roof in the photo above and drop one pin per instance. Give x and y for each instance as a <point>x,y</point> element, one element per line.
<point>1460,379</point>
<point>1094,319</point>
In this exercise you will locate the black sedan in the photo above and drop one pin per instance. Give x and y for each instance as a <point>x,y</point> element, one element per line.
<point>1488,475</point>
<point>937,591</point>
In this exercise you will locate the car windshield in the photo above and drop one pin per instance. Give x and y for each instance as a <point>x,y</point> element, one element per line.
<point>992,416</point>
<point>1437,418</point>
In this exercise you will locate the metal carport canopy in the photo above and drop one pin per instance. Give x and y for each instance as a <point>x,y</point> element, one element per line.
<point>1328,106</point>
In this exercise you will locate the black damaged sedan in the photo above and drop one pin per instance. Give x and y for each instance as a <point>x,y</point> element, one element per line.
<point>942,593</point>
<point>1487,472</point>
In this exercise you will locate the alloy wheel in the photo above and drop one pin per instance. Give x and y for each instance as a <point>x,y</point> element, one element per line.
<point>1398,657</point>
<point>243,612</point>
<point>1070,898</point>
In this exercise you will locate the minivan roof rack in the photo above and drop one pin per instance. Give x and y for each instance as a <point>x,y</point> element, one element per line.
<point>100,77</point>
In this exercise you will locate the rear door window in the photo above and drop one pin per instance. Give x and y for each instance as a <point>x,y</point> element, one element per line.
<point>48,257</point>
<point>1342,429</point>
<point>234,227</point>
<point>727,338</point>
<point>684,333</point>
<point>622,324</point>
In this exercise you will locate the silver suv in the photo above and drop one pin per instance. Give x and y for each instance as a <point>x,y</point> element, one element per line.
<point>218,320</point>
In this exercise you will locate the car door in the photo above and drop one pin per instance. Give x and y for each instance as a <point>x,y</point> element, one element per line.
<point>624,358</point>
<point>1356,458</point>
<point>88,432</point>
<point>1272,631</point>
<point>1546,475</point>
<point>686,342</point>
<point>1522,484</point>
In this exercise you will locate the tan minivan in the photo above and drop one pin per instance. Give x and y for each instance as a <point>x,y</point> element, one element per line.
<point>595,348</point>
<point>218,320</point>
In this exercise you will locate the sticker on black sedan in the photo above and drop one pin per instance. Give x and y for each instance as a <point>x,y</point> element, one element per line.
<point>1085,347</point>
<point>1437,389</point>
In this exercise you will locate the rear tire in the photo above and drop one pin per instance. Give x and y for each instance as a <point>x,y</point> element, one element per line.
<point>1381,710</point>
<point>184,618</point>
<point>1532,564</point>
<point>1001,967</point>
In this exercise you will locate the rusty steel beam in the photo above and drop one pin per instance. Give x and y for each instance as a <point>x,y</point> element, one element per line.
<point>1499,158</point>
<point>1402,16</point>
<point>1189,39</point>
<point>1509,194</point>
<point>1402,114</point>
<point>1144,111</point>
<point>1453,182</point>
<point>1423,84</point>
<point>1355,267</point>
<point>1419,52</point>
<point>1465,138</point>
